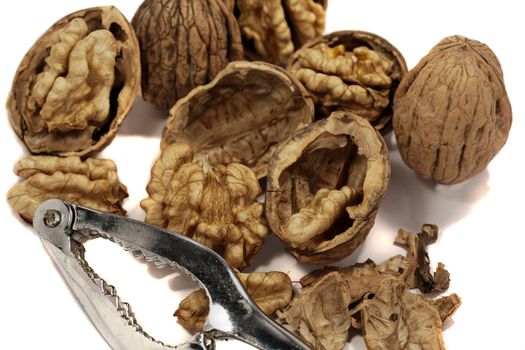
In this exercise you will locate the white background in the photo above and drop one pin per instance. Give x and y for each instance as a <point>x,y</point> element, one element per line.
<point>482,235</point>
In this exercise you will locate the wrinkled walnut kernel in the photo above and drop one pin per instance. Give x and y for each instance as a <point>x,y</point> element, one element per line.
<point>75,86</point>
<point>92,183</point>
<point>214,205</point>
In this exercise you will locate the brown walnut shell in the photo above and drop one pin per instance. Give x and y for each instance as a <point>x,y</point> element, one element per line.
<point>241,116</point>
<point>325,185</point>
<point>352,71</point>
<point>74,87</point>
<point>273,29</point>
<point>183,44</point>
<point>452,114</point>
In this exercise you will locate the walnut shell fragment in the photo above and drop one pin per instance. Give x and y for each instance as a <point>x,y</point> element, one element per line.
<point>325,185</point>
<point>273,29</point>
<point>241,116</point>
<point>452,114</point>
<point>183,44</point>
<point>74,87</point>
<point>271,291</point>
<point>351,71</point>
<point>214,205</point>
<point>92,183</point>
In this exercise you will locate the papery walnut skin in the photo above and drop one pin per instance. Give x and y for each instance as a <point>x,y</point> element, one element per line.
<point>325,185</point>
<point>184,44</point>
<point>452,114</point>
<point>214,205</point>
<point>273,29</point>
<point>352,71</point>
<point>241,116</point>
<point>92,183</point>
<point>74,87</point>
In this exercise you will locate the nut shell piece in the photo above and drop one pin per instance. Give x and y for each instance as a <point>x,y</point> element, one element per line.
<point>352,71</point>
<point>241,116</point>
<point>452,114</point>
<point>74,87</point>
<point>92,183</point>
<point>324,187</point>
<point>184,44</point>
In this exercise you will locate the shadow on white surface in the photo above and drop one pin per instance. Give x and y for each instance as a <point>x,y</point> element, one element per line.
<point>144,119</point>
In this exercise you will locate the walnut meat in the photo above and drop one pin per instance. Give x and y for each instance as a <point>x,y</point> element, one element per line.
<point>325,185</point>
<point>271,291</point>
<point>352,71</point>
<point>76,84</point>
<point>214,205</point>
<point>184,44</point>
<point>92,183</point>
<point>273,29</point>
<point>240,116</point>
<point>451,112</point>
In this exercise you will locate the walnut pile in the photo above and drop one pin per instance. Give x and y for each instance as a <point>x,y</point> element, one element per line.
<point>92,183</point>
<point>76,84</point>
<point>273,29</point>
<point>241,116</point>
<point>214,205</point>
<point>271,291</point>
<point>451,112</point>
<point>376,299</point>
<point>325,185</point>
<point>352,71</point>
<point>183,44</point>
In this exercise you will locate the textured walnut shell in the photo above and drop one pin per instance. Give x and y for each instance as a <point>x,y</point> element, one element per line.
<point>273,29</point>
<point>352,71</point>
<point>325,185</point>
<point>452,114</point>
<point>184,44</point>
<point>240,116</point>
<point>74,87</point>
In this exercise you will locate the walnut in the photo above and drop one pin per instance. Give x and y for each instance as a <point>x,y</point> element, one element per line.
<point>352,71</point>
<point>184,44</point>
<point>273,29</point>
<point>451,112</point>
<point>76,84</point>
<point>214,205</point>
<point>320,313</point>
<point>325,185</point>
<point>271,291</point>
<point>240,116</point>
<point>92,183</point>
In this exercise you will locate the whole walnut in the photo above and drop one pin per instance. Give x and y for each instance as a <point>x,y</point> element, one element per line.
<point>183,44</point>
<point>76,84</point>
<point>451,112</point>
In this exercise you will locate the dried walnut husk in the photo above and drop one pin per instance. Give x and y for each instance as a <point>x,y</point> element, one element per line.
<point>271,291</point>
<point>214,205</point>
<point>92,183</point>
<point>241,116</point>
<point>273,29</point>
<point>184,44</point>
<point>325,185</point>
<point>76,84</point>
<point>452,114</point>
<point>352,71</point>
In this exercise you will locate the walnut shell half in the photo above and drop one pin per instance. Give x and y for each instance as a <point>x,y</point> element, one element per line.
<point>74,87</point>
<point>241,115</point>
<point>352,71</point>
<point>325,185</point>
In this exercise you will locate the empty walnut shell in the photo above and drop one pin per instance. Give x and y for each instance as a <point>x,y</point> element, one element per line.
<point>325,185</point>
<point>183,43</point>
<point>76,84</point>
<point>240,116</point>
<point>352,71</point>
<point>273,29</point>
<point>452,114</point>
